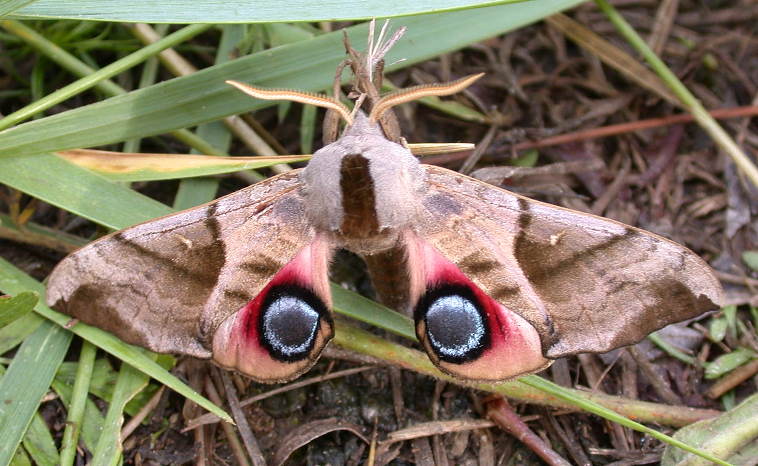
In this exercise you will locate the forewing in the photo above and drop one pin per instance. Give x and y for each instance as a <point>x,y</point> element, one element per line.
<point>169,284</point>
<point>586,283</point>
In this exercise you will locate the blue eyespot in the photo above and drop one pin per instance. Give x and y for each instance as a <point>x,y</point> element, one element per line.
<point>289,325</point>
<point>455,327</point>
<point>289,322</point>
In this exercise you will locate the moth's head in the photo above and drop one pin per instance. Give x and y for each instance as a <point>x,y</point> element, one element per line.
<point>363,187</point>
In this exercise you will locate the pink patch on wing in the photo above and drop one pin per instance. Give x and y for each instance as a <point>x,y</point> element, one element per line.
<point>237,342</point>
<point>291,274</point>
<point>513,347</point>
<point>440,271</point>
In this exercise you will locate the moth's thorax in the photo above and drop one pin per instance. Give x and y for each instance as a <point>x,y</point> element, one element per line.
<point>363,188</point>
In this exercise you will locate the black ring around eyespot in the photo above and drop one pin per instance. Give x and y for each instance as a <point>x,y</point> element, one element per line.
<point>479,337</point>
<point>289,334</point>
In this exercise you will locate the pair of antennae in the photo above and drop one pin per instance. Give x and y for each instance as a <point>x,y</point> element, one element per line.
<point>377,49</point>
<point>384,104</point>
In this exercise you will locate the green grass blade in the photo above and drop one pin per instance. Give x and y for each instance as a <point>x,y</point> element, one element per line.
<point>39,443</point>
<point>15,281</point>
<point>363,309</point>
<point>9,6</point>
<point>671,350</point>
<point>14,333</point>
<point>78,403</point>
<point>130,382</point>
<point>21,458</point>
<point>595,408</point>
<point>92,421</point>
<point>307,129</point>
<point>102,74</point>
<point>60,183</point>
<point>728,362</point>
<point>26,381</point>
<point>101,380</point>
<point>16,307</point>
<point>308,65</point>
<point>239,11</point>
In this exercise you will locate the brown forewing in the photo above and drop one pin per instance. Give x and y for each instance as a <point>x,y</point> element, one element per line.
<point>584,282</point>
<point>150,284</point>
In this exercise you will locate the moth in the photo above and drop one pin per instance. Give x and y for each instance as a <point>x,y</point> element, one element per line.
<point>499,285</point>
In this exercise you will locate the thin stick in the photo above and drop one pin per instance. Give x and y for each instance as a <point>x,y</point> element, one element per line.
<point>137,419</point>
<point>248,439</point>
<point>501,412</point>
<point>231,435</point>
<point>209,418</point>
<point>612,130</point>
<point>720,137</point>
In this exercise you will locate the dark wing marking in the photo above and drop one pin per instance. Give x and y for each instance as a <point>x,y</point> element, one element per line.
<point>151,284</point>
<point>586,283</point>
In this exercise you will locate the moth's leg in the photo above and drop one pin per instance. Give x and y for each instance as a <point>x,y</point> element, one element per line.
<point>331,126</point>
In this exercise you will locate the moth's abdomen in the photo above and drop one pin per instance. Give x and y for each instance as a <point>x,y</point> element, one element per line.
<point>279,333</point>
<point>359,219</point>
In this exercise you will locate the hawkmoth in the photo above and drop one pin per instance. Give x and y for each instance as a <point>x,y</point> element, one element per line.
<point>498,284</point>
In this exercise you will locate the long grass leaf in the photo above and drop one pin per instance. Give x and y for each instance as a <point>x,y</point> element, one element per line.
<point>92,421</point>
<point>39,443</point>
<point>16,307</point>
<point>53,180</point>
<point>308,65</point>
<point>239,11</point>
<point>130,382</point>
<point>77,404</point>
<point>14,333</point>
<point>26,381</point>
<point>14,281</point>
<point>9,6</point>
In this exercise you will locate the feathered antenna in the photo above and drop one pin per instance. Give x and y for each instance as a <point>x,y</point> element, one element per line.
<point>318,100</point>
<point>375,54</point>
<point>367,68</point>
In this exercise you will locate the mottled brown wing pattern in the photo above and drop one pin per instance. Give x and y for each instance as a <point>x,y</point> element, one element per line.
<point>168,283</point>
<point>585,283</point>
